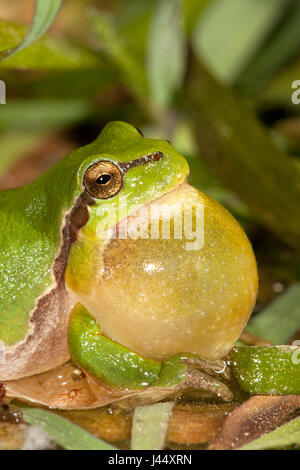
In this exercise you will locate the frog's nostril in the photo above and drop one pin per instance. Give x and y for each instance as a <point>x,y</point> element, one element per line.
<point>157,156</point>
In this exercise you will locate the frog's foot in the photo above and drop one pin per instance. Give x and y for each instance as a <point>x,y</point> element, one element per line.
<point>116,366</point>
<point>214,367</point>
<point>186,371</point>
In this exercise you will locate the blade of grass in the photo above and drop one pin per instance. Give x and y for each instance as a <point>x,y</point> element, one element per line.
<point>166,56</point>
<point>64,432</point>
<point>230,32</point>
<point>45,13</point>
<point>281,319</point>
<point>150,424</point>
<point>286,435</point>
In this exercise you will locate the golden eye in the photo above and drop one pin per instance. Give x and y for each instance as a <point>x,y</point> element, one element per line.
<point>103,179</point>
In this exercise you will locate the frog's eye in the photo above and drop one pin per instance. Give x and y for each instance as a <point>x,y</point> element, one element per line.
<point>103,179</point>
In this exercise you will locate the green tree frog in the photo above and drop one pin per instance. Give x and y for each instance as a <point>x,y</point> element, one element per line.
<point>112,259</point>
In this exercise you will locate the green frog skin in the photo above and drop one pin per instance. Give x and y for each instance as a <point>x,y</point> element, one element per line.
<point>131,313</point>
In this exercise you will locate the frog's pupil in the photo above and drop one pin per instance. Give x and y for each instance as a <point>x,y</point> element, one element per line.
<point>103,179</point>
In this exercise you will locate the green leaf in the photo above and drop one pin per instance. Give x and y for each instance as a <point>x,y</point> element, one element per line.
<point>230,32</point>
<point>286,435</point>
<point>113,44</point>
<point>150,424</point>
<point>64,432</point>
<point>281,319</point>
<point>45,12</point>
<point>45,53</point>
<point>43,114</point>
<point>166,57</point>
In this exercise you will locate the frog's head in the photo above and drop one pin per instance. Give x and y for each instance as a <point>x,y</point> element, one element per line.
<point>124,171</point>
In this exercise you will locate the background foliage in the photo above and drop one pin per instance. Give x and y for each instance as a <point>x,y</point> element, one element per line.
<point>213,76</point>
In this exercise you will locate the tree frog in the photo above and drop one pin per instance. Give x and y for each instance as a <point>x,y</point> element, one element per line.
<point>84,277</point>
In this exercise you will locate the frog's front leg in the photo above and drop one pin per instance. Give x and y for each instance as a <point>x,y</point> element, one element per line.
<point>116,366</point>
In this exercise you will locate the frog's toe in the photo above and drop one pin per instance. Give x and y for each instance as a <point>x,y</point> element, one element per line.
<point>217,366</point>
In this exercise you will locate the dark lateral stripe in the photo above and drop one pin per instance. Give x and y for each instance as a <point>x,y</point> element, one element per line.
<point>152,157</point>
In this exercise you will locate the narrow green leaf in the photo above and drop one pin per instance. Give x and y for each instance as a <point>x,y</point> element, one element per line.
<point>150,424</point>
<point>64,432</point>
<point>281,319</point>
<point>286,435</point>
<point>166,56</point>
<point>43,114</point>
<point>46,53</point>
<point>111,41</point>
<point>230,32</point>
<point>45,12</point>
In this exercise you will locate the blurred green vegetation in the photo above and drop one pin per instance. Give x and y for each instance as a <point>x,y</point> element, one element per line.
<point>212,76</point>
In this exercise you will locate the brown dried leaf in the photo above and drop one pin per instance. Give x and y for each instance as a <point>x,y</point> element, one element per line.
<point>255,417</point>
